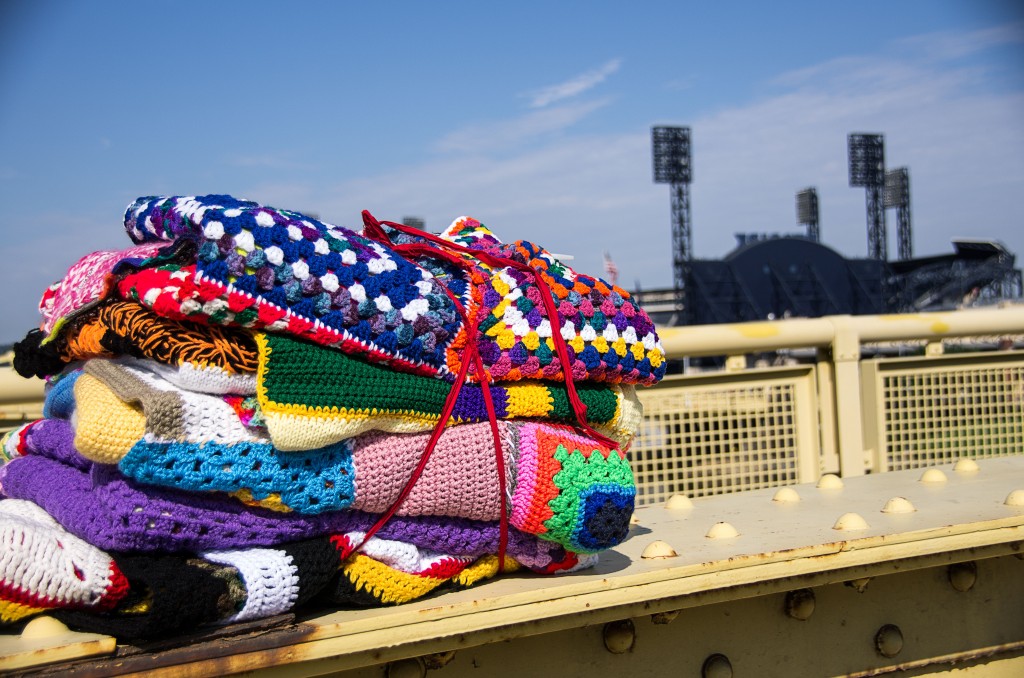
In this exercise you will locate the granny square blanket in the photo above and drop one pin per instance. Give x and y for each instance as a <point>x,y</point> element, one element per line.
<point>264,268</point>
<point>260,267</point>
<point>609,337</point>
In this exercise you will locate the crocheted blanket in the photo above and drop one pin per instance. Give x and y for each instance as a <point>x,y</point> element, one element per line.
<point>610,338</point>
<point>112,513</point>
<point>118,402</point>
<point>209,359</point>
<point>562,487</point>
<point>43,567</point>
<point>87,282</point>
<point>259,267</point>
<point>171,594</point>
<point>59,402</point>
<point>311,397</point>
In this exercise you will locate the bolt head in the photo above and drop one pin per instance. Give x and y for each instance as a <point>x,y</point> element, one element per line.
<point>966,465</point>
<point>722,531</point>
<point>619,636</point>
<point>898,505</point>
<point>407,668</point>
<point>658,549</point>
<point>678,502</point>
<point>716,666</point>
<point>830,481</point>
<point>786,495</point>
<point>889,640</point>
<point>962,576</point>
<point>850,522</point>
<point>800,604</point>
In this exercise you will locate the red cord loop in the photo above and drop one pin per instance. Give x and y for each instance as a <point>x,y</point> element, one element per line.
<point>449,252</point>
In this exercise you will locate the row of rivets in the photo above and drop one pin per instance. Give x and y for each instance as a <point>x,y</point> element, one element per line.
<point>829,481</point>
<point>620,637</point>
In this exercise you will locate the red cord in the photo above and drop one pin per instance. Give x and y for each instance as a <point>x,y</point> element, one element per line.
<point>446,251</point>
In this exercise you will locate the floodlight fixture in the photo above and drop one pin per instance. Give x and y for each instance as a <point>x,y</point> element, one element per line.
<point>671,147</point>
<point>867,159</point>
<point>671,153</point>
<point>867,169</point>
<point>897,188</point>
<point>807,212</point>
<point>897,196</point>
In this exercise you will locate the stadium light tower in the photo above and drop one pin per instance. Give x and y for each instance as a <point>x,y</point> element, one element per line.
<point>671,146</point>
<point>897,196</point>
<point>807,212</point>
<point>867,169</point>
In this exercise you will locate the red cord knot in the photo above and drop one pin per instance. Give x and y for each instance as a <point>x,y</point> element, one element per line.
<point>465,258</point>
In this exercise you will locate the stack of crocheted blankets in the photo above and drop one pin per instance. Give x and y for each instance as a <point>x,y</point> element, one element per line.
<point>249,410</point>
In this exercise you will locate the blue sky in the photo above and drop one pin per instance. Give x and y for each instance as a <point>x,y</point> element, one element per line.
<point>532,117</point>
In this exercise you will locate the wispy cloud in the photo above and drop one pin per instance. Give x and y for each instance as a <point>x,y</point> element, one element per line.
<point>964,147</point>
<point>582,195</point>
<point>504,134</point>
<point>946,45</point>
<point>570,88</point>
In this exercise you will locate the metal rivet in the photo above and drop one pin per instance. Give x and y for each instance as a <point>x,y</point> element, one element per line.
<point>722,531</point>
<point>665,617</point>
<point>678,501</point>
<point>438,660</point>
<point>1015,498</point>
<point>619,636</point>
<point>850,521</point>
<point>830,481</point>
<point>786,495</point>
<point>933,475</point>
<point>965,465</point>
<point>889,640</point>
<point>407,668</point>
<point>716,666</point>
<point>962,576</point>
<point>658,549</point>
<point>860,585</point>
<point>800,604</point>
<point>44,627</point>
<point>898,505</point>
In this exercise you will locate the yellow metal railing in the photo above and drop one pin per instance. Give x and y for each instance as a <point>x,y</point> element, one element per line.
<point>741,429</point>
<point>21,400</point>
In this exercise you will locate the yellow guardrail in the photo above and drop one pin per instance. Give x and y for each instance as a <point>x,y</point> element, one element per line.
<point>740,429</point>
<point>21,400</point>
<point>835,412</point>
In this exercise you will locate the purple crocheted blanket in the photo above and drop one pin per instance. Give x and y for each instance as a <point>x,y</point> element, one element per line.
<point>112,513</point>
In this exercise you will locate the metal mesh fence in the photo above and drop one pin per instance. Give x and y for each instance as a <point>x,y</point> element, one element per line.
<point>940,414</point>
<point>715,439</point>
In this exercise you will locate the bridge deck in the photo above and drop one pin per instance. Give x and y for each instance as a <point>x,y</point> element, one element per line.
<point>967,519</point>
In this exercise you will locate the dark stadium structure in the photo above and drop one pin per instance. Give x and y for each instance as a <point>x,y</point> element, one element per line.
<point>771,276</point>
<point>779,276</point>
